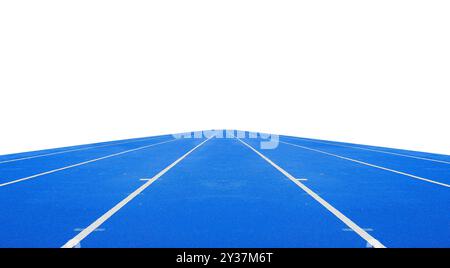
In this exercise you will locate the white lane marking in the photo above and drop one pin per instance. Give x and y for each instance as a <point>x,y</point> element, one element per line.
<point>97,223</point>
<point>379,151</point>
<point>74,243</point>
<point>371,243</point>
<point>370,165</point>
<point>302,179</point>
<point>144,179</point>
<point>370,239</point>
<point>68,151</point>
<point>96,230</point>
<point>82,163</point>
<point>350,230</point>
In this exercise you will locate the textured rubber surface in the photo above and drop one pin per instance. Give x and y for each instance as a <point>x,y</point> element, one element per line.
<point>224,195</point>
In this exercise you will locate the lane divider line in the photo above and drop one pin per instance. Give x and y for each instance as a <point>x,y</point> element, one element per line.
<point>68,151</point>
<point>76,241</point>
<point>360,231</point>
<point>81,163</point>
<point>350,230</point>
<point>370,165</point>
<point>379,151</point>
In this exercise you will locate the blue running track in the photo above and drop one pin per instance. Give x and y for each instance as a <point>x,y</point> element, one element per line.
<point>224,192</point>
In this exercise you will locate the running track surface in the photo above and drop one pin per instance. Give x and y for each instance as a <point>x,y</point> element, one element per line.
<point>224,192</point>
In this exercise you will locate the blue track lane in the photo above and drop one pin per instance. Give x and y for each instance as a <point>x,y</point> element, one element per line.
<point>431,170</point>
<point>19,169</point>
<point>224,195</point>
<point>397,210</point>
<point>46,211</point>
<point>10,157</point>
<point>392,150</point>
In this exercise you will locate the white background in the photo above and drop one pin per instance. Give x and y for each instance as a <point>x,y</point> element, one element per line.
<point>373,72</point>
